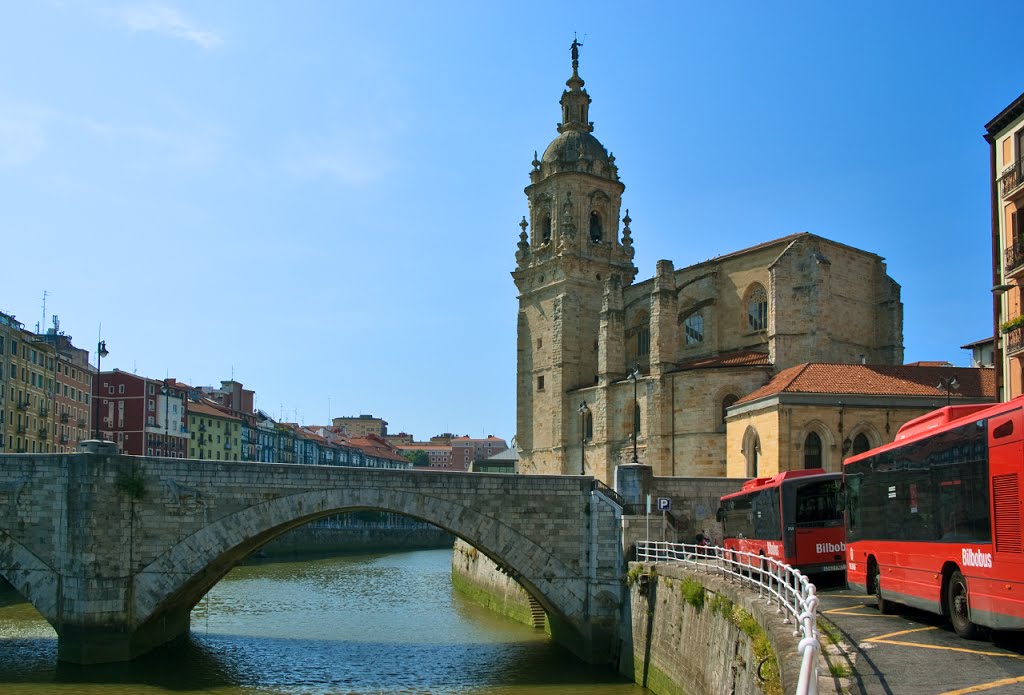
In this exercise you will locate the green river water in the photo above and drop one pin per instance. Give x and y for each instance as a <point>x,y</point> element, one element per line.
<point>354,624</point>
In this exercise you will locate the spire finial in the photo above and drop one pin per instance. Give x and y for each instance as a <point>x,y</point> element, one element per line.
<point>575,49</point>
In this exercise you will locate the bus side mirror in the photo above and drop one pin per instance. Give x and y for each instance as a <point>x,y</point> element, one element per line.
<point>720,515</point>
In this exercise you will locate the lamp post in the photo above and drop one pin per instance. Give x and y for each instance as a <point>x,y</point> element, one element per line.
<point>948,384</point>
<point>634,374</point>
<point>583,436</point>
<point>101,352</point>
<point>167,399</point>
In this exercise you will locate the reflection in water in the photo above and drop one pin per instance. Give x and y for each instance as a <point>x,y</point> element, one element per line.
<point>357,624</point>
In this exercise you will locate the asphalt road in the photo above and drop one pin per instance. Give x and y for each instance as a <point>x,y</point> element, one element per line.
<point>912,651</point>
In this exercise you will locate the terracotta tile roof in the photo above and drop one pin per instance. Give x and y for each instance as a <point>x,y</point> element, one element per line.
<point>373,445</point>
<point>877,380</point>
<point>743,358</point>
<point>204,408</point>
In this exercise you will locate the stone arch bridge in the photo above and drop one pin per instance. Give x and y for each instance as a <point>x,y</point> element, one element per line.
<point>114,551</point>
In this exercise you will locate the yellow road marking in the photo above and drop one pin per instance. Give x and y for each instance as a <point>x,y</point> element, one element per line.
<point>849,610</point>
<point>900,643</point>
<point>985,686</point>
<point>901,632</point>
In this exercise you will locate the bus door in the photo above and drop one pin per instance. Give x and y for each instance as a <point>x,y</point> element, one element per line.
<point>814,524</point>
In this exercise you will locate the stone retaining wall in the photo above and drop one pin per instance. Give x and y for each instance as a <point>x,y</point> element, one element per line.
<point>476,576</point>
<point>695,633</point>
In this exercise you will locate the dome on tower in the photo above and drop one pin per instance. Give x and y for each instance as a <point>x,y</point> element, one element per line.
<point>573,145</point>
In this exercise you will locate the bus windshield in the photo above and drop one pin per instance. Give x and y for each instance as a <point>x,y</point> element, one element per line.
<point>817,504</point>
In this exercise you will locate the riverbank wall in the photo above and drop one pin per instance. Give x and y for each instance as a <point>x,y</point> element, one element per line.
<point>324,540</point>
<point>692,633</point>
<point>477,577</point>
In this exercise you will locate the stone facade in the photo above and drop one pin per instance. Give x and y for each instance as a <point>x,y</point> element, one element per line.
<point>700,337</point>
<point>114,551</point>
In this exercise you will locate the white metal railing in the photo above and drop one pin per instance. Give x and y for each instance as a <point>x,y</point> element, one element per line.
<point>793,595</point>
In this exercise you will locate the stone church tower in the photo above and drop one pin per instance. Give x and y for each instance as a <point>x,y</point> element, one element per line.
<point>562,267</point>
<point>611,371</point>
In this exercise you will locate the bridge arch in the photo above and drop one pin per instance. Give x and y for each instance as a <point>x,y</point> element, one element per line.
<point>172,584</point>
<point>30,576</point>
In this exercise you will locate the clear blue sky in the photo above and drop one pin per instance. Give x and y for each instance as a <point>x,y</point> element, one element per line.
<point>323,197</point>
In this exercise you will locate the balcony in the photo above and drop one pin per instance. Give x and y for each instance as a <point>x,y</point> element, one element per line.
<point>1011,178</point>
<point>227,445</point>
<point>81,422</point>
<point>44,411</point>
<point>63,439</point>
<point>64,417</point>
<point>1013,259</point>
<point>42,433</point>
<point>1015,340</point>
<point>22,429</point>
<point>22,405</point>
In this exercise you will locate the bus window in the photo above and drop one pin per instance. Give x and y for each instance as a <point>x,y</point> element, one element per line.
<point>817,504</point>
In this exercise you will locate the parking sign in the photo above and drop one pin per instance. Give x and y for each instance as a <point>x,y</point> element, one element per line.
<point>664,504</point>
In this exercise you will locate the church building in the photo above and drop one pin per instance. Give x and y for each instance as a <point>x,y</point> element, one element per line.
<point>612,370</point>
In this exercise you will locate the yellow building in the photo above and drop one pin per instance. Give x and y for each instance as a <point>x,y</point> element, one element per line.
<point>815,415</point>
<point>1005,135</point>
<point>214,435</point>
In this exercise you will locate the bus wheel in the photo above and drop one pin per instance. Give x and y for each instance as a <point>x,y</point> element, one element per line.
<point>885,606</point>
<point>959,607</point>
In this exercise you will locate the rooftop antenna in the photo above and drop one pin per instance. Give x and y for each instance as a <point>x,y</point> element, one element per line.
<point>328,409</point>
<point>44,308</point>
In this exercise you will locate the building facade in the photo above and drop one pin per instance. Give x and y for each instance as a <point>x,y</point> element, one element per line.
<point>45,384</point>
<point>610,370</point>
<point>144,417</point>
<point>1005,135</point>
<point>362,425</point>
<point>815,415</point>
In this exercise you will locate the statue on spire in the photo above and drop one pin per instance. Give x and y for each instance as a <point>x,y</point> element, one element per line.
<point>575,50</point>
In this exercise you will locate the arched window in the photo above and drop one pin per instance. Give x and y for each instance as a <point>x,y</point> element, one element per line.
<point>693,329</point>
<point>727,403</point>
<point>812,451</point>
<point>751,451</point>
<point>545,229</point>
<point>860,444</point>
<point>596,235</point>
<point>757,308</point>
<point>638,337</point>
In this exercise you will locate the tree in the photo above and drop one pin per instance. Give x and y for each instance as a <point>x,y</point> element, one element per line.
<point>419,458</point>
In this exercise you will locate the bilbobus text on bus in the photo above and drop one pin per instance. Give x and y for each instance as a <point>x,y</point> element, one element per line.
<point>794,517</point>
<point>933,520</point>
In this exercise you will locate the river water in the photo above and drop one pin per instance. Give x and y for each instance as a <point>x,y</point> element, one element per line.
<point>355,624</point>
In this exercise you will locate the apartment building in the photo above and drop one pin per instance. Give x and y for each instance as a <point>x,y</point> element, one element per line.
<point>1005,135</point>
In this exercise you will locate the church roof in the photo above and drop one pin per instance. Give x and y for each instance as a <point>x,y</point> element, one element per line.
<point>743,358</point>
<point>877,380</point>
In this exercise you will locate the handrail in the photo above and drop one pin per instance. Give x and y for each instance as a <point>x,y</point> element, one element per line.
<point>609,493</point>
<point>788,588</point>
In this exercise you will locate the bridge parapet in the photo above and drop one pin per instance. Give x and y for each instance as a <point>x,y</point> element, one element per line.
<point>114,551</point>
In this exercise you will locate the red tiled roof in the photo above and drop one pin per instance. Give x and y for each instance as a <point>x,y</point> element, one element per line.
<point>743,358</point>
<point>877,380</point>
<point>204,408</point>
<point>373,445</point>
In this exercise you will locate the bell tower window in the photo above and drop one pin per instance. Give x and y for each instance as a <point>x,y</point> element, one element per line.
<point>596,235</point>
<point>545,229</point>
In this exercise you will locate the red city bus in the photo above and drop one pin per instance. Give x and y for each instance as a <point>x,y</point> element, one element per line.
<point>933,520</point>
<point>794,517</point>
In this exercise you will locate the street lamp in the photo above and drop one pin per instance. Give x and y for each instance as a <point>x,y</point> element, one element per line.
<point>167,398</point>
<point>634,374</point>
<point>101,352</point>
<point>583,436</point>
<point>948,384</point>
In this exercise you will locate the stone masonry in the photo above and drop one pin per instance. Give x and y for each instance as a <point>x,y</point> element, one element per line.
<point>114,551</point>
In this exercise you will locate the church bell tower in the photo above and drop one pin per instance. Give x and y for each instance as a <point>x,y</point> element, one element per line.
<point>563,264</point>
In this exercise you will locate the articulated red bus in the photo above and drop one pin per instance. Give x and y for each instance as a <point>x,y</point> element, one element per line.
<point>794,517</point>
<point>933,520</point>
